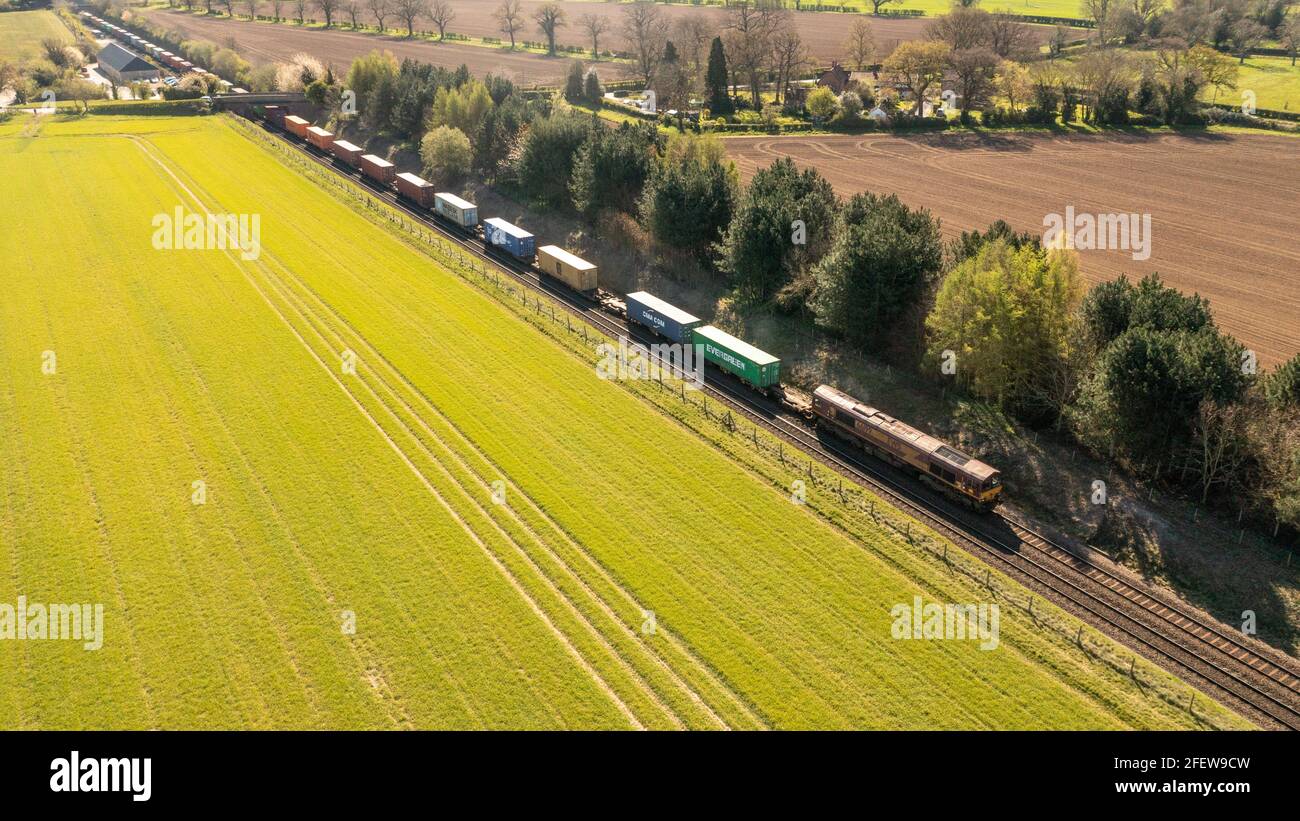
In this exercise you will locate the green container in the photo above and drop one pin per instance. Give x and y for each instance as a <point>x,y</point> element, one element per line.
<point>758,368</point>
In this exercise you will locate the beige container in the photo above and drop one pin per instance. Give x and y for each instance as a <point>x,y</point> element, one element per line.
<point>573,271</point>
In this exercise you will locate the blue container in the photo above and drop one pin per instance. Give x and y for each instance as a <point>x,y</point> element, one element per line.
<point>664,319</point>
<point>510,238</point>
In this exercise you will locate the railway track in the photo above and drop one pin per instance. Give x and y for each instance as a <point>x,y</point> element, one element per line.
<point>1259,682</point>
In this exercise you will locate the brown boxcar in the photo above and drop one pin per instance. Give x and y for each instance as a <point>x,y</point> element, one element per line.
<point>320,138</point>
<point>573,271</point>
<point>347,152</point>
<point>377,168</point>
<point>415,189</point>
<point>296,125</point>
<point>275,115</point>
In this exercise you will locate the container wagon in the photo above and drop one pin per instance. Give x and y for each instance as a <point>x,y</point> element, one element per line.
<point>320,138</point>
<point>274,115</point>
<point>416,189</point>
<point>573,271</point>
<point>455,209</point>
<point>664,319</point>
<point>347,152</point>
<point>510,238</point>
<point>378,169</point>
<point>939,465</point>
<point>296,125</point>
<point>735,356</point>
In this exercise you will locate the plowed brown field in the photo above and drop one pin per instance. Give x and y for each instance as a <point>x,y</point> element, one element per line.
<point>822,32</point>
<point>1223,207</point>
<point>268,42</point>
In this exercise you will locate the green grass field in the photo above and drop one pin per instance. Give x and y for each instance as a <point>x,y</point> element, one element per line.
<point>21,33</point>
<point>373,492</point>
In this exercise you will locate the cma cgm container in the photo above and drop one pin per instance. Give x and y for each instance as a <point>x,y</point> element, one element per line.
<point>735,356</point>
<point>510,238</point>
<point>452,207</point>
<point>296,125</point>
<point>664,319</point>
<point>320,138</point>
<point>377,168</point>
<point>414,188</point>
<point>573,271</point>
<point>347,152</point>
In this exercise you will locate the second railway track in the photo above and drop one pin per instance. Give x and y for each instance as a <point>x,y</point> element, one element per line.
<point>1260,682</point>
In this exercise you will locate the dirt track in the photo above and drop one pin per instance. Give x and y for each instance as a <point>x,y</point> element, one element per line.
<point>1223,207</point>
<point>824,33</point>
<point>268,42</point>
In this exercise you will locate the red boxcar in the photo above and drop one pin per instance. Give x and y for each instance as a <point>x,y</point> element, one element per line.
<point>320,138</point>
<point>347,152</point>
<point>415,189</point>
<point>378,168</point>
<point>296,126</point>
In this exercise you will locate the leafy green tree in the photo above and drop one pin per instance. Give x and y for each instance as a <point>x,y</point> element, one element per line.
<point>1282,385</point>
<point>591,89</point>
<point>446,155</point>
<point>970,242</point>
<point>1006,314</point>
<point>781,227</point>
<point>715,79</point>
<point>546,161</point>
<point>690,197</point>
<point>611,168</point>
<point>883,259</point>
<point>1145,391</point>
<point>1112,308</point>
<point>822,104</point>
<point>573,82</point>
<point>499,136</point>
<point>463,108</point>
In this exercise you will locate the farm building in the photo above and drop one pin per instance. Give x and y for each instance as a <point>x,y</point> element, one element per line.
<point>124,66</point>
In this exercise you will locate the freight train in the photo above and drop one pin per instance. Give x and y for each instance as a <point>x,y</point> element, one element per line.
<point>935,463</point>
<point>495,233</point>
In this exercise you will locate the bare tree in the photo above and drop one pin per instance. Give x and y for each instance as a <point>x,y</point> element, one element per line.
<point>251,5</point>
<point>646,32</point>
<point>549,18</point>
<point>275,9</point>
<point>1099,12</point>
<point>595,25</point>
<point>1244,35</point>
<point>1289,34</point>
<point>353,10</point>
<point>300,8</point>
<point>789,58</point>
<point>380,10</point>
<point>973,70</point>
<point>408,11</point>
<point>441,13</point>
<point>509,19</point>
<point>230,8</point>
<point>693,33</point>
<point>750,27</point>
<point>962,28</point>
<point>1219,448</point>
<point>1008,37</point>
<point>860,45</point>
<point>327,8</point>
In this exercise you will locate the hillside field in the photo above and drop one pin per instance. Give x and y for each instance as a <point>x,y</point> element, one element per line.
<point>466,529</point>
<point>21,33</point>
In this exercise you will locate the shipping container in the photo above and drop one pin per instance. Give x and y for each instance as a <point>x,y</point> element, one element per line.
<point>735,356</point>
<point>510,238</point>
<point>416,189</point>
<point>274,115</point>
<point>452,207</point>
<point>296,125</point>
<point>347,152</point>
<point>659,316</point>
<point>377,168</point>
<point>320,138</point>
<point>573,271</point>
